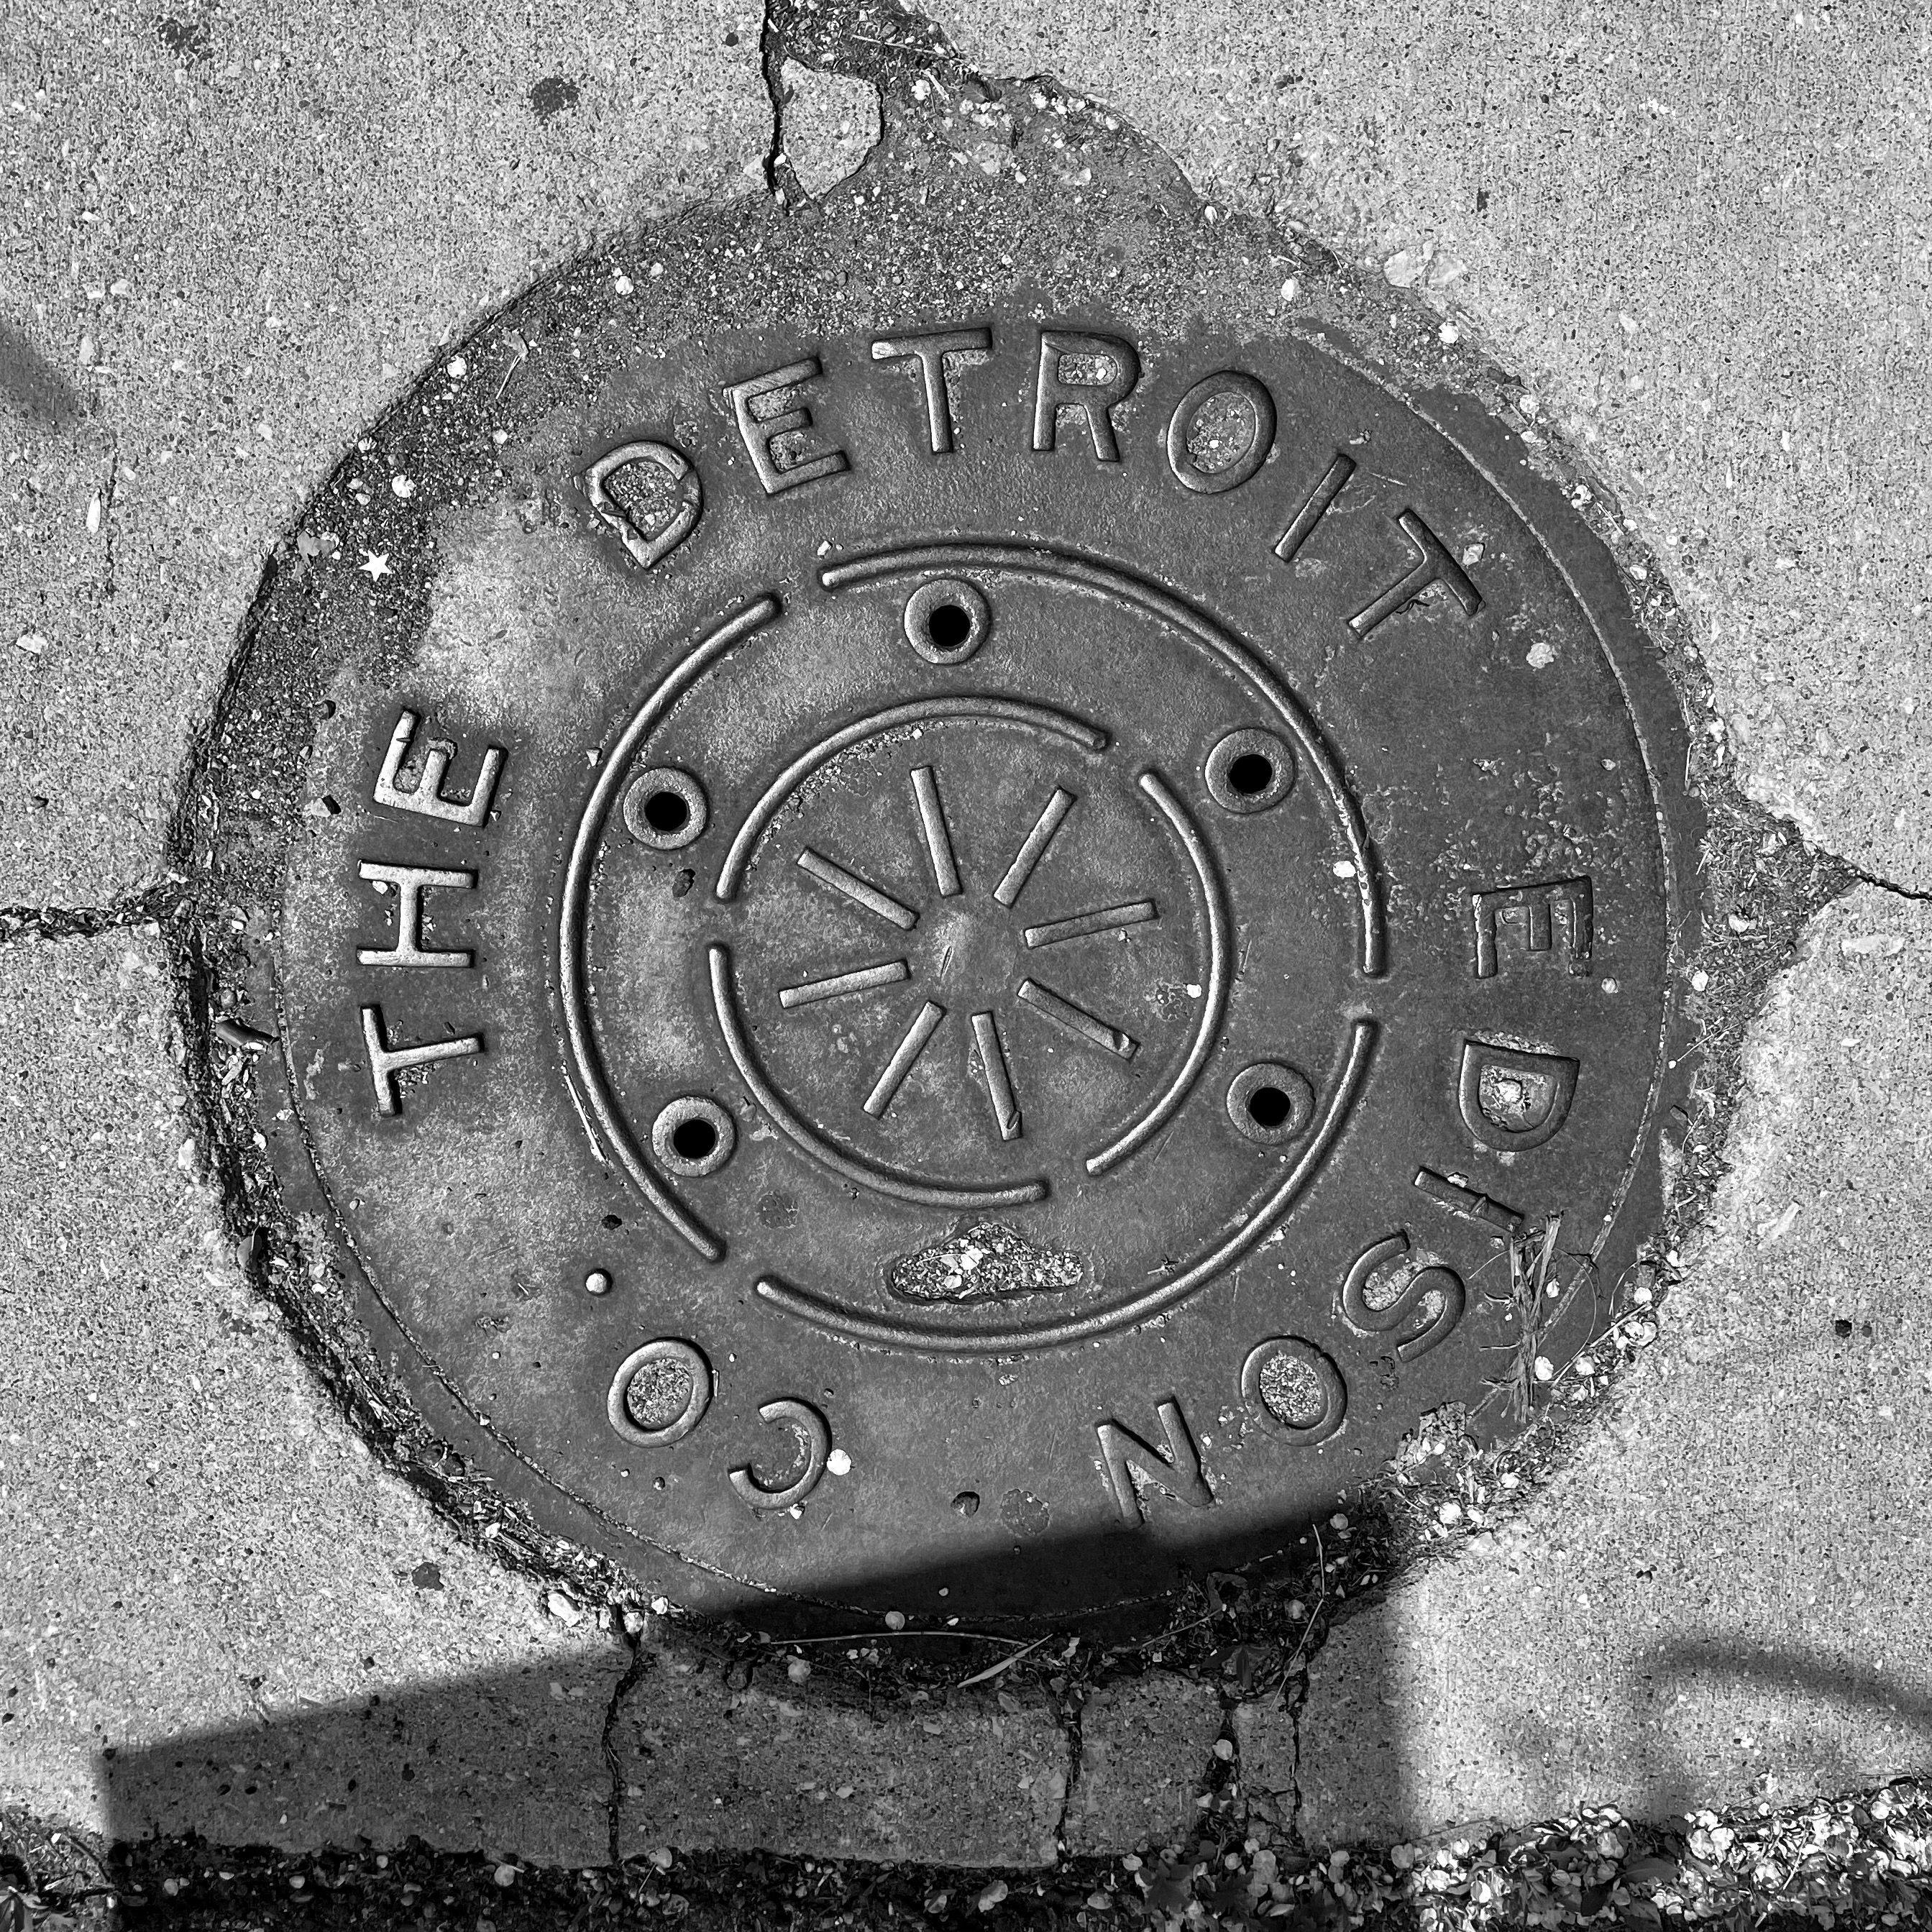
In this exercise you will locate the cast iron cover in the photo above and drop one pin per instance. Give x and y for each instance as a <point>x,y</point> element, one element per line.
<point>959,964</point>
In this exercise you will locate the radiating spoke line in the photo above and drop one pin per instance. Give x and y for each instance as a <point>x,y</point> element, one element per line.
<point>851,886</point>
<point>999,1082</point>
<point>938,839</point>
<point>1076,1019</point>
<point>1136,913</point>
<point>905,1057</point>
<point>1034,847</point>
<point>864,979</point>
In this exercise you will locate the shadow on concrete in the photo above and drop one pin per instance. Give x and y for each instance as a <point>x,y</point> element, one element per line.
<point>702,1741</point>
<point>508,1761</point>
<point>1795,1707</point>
<point>31,387</point>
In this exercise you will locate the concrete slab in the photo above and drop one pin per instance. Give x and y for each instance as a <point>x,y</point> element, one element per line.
<point>216,1613</point>
<point>1266,1750</point>
<point>1723,1598</point>
<point>968,1783</point>
<point>1702,247</point>
<point>829,123</point>
<point>230,241</point>
<point>1146,1748</point>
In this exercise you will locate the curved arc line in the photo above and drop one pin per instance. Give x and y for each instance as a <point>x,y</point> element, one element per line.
<point>966,704</point>
<point>1092,574</point>
<point>847,1166</point>
<point>1213,1008</point>
<point>589,1086</point>
<point>823,1313</point>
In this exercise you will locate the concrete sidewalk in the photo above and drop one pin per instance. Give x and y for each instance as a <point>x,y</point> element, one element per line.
<point>232,239</point>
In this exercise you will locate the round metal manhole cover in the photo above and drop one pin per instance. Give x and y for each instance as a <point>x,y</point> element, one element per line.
<point>961,966</point>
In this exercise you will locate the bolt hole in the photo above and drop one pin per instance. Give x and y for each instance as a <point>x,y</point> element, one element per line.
<point>967,1502</point>
<point>667,811</point>
<point>695,1139</point>
<point>1251,774</point>
<point>948,627</point>
<point>1269,1107</point>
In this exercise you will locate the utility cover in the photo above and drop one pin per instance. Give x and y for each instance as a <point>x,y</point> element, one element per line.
<point>956,963</point>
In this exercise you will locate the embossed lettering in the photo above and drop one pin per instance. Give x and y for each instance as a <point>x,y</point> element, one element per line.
<point>426,795</point>
<point>1278,1378</point>
<point>1513,1100</point>
<point>1433,565</point>
<point>1188,470</point>
<point>774,428</point>
<point>1177,1470</point>
<point>1534,912</point>
<point>1319,501</point>
<point>385,1062</point>
<point>410,883</point>
<point>936,355</point>
<point>660,1393</point>
<point>1059,387</point>
<point>813,1436</point>
<point>1431,1283</point>
<point>622,492</point>
<point>1505,1223</point>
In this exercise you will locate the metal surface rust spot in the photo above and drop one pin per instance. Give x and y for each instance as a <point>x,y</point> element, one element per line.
<point>1028,936</point>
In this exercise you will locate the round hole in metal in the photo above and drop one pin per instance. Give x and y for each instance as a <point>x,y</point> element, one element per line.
<point>665,809</point>
<point>1249,769</point>
<point>693,1136</point>
<point>946,620</point>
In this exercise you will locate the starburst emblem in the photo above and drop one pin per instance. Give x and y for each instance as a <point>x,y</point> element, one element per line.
<point>1030,991</point>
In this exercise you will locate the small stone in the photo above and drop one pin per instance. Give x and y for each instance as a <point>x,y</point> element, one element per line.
<point>798,1670</point>
<point>896,1620</point>
<point>663,1859</point>
<point>992,1896</point>
<point>1224,1750</point>
<point>839,1463</point>
<point>562,1609</point>
<point>505,1876</point>
<point>1404,270</point>
<point>403,487</point>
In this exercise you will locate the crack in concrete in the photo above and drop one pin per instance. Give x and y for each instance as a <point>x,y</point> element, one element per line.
<point>1884,885</point>
<point>781,183</point>
<point>24,925</point>
<point>1076,1764</point>
<point>643,1663</point>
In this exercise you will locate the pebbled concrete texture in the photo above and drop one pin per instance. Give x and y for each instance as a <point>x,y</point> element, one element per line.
<point>1723,1597</point>
<point>1702,242</point>
<point>968,1783</point>
<point>209,1593</point>
<point>1146,1748</point>
<point>230,239</point>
